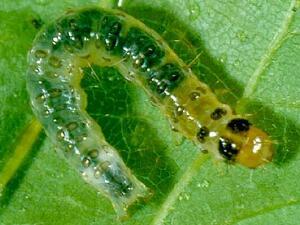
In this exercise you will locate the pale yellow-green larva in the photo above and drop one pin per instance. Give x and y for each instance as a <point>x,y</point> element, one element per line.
<point>112,38</point>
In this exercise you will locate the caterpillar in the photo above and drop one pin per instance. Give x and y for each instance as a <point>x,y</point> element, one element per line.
<point>111,38</point>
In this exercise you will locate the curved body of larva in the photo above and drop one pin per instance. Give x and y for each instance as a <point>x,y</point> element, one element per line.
<point>112,38</point>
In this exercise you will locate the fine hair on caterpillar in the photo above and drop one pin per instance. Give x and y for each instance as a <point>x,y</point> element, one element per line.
<point>112,38</point>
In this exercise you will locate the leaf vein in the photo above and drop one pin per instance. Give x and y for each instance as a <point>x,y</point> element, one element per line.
<point>184,180</point>
<point>263,211</point>
<point>266,59</point>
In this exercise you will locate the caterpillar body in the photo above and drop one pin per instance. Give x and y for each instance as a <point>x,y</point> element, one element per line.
<point>112,38</point>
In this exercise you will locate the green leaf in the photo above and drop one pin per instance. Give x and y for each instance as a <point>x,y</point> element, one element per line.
<point>249,48</point>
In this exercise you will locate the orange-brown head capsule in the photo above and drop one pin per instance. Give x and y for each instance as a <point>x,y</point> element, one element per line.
<point>245,144</point>
<point>256,150</point>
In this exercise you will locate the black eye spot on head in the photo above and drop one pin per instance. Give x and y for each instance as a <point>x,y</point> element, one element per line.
<point>202,133</point>
<point>218,113</point>
<point>239,125</point>
<point>227,148</point>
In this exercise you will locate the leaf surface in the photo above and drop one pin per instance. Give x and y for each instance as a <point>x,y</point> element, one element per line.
<point>251,49</point>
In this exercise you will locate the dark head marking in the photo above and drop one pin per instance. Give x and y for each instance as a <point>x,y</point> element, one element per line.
<point>227,149</point>
<point>218,113</point>
<point>202,133</point>
<point>239,125</point>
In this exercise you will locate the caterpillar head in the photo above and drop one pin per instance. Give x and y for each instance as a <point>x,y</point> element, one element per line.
<point>245,144</point>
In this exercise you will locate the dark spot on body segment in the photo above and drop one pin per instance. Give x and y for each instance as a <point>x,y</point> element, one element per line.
<point>54,93</point>
<point>202,134</point>
<point>179,110</point>
<point>118,184</point>
<point>218,113</point>
<point>57,101</point>
<point>55,62</point>
<point>194,95</point>
<point>41,98</point>
<point>93,153</point>
<point>72,126</point>
<point>45,91</point>
<point>40,53</point>
<point>72,32</point>
<point>239,125</point>
<point>166,78</point>
<point>142,49</point>
<point>110,32</point>
<point>227,148</point>
<point>86,162</point>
